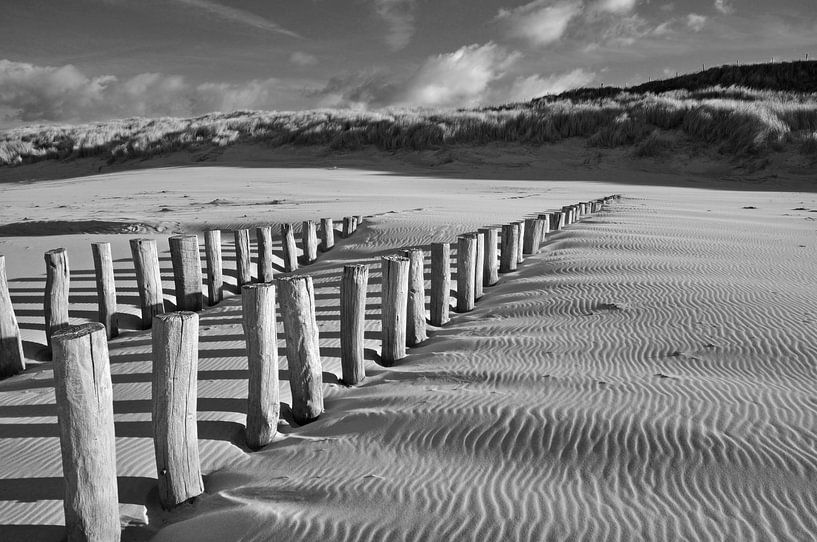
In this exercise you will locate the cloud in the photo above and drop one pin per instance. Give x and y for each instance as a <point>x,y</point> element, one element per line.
<point>617,6</point>
<point>540,22</point>
<point>299,58</point>
<point>696,22</point>
<point>399,16</point>
<point>724,6</point>
<point>236,15</point>
<point>526,88</point>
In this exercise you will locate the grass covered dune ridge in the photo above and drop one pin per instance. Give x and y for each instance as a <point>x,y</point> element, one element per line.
<point>736,119</point>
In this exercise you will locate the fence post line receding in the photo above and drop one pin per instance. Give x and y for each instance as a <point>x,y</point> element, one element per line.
<point>215,277</point>
<point>55,303</point>
<point>263,401</point>
<point>490,272</point>
<point>296,297</point>
<point>440,283</point>
<point>12,358</point>
<point>105,288</point>
<point>263,237</point>
<point>175,339</point>
<point>186,260</point>
<point>327,234</point>
<point>309,237</point>
<point>479,265</point>
<point>509,250</point>
<point>416,304</point>
<point>84,398</point>
<point>353,287</point>
<point>395,271</point>
<point>290,250</point>
<point>466,271</point>
<point>243,258</point>
<point>148,279</point>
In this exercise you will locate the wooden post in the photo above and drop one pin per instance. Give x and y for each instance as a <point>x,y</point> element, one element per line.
<point>562,220</point>
<point>327,234</point>
<point>57,281</point>
<point>440,283</point>
<point>175,341</point>
<point>263,401</point>
<point>520,238</point>
<point>394,308</point>
<point>347,226</point>
<point>490,270</point>
<point>263,237</point>
<point>243,260</point>
<point>296,297</point>
<point>466,272</point>
<point>84,397</point>
<point>12,359</point>
<point>354,224</point>
<point>105,288</point>
<point>416,304</point>
<point>186,259</point>
<point>529,243</point>
<point>479,265</point>
<point>546,224</point>
<point>358,221</point>
<point>509,250</point>
<point>215,279</point>
<point>352,320</point>
<point>290,250</point>
<point>554,221</point>
<point>148,279</point>
<point>309,236</point>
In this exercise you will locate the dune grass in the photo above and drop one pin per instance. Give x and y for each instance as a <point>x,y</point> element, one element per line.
<point>733,120</point>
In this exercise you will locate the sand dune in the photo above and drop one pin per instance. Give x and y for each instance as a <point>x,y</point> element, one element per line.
<point>649,375</point>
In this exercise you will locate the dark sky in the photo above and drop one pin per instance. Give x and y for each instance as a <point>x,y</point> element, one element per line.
<point>82,60</point>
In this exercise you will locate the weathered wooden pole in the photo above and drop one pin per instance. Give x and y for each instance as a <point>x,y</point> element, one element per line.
<point>510,248</point>
<point>466,271</point>
<point>57,279</point>
<point>84,398</point>
<point>520,257</point>
<point>12,359</point>
<point>309,236</point>
<point>243,259</point>
<point>290,250</point>
<point>394,308</point>
<point>490,269</point>
<point>175,339</point>
<point>416,304</point>
<point>529,243</point>
<point>215,278</point>
<point>263,236</point>
<point>347,226</point>
<point>440,283</point>
<point>353,286</point>
<point>148,279</point>
<point>327,234</point>
<point>546,225</point>
<point>479,265</point>
<point>355,223</point>
<point>296,297</point>
<point>562,220</point>
<point>186,259</point>
<point>263,401</point>
<point>105,288</point>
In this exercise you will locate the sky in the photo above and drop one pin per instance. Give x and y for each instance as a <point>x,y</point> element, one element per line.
<point>69,61</point>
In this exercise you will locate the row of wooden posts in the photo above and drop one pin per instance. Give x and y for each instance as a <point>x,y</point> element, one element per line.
<point>82,370</point>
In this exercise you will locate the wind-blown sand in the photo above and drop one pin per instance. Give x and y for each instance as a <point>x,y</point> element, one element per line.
<point>649,376</point>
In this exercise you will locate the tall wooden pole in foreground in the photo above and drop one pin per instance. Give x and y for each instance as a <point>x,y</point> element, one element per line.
<point>327,234</point>
<point>148,279</point>
<point>243,260</point>
<point>290,250</point>
<point>263,236</point>
<point>175,436</point>
<point>394,308</point>
<point>416,304</point>
<point>490,270</point>
<point>352,319</point>
<point>215,277</point>
<point>440,283</point>
<point>186,259</point>
<point>263,402</point>
<point>510,248</point>
<point>466,272</point>
<point>297,299</point>
<point>57,281</point>
<point>105,288</point>
<point>12,359</point>
<point>84,397</point>
<point>309,236</point>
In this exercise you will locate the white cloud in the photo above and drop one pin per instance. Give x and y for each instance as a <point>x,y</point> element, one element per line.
<point>399,16</point>
<point>540,22</point>
<point>299,58</point>
<point>238,16</point>
<point>724,6</point>
<point>525,88</point>
<point>617,6</point>
<point>696,22</point>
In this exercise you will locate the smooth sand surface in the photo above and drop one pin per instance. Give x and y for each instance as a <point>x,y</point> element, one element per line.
<point>650,375</point>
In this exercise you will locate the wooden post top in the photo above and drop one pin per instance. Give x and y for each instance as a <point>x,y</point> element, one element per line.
<point>178,315</point>
<point>75,332</point>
